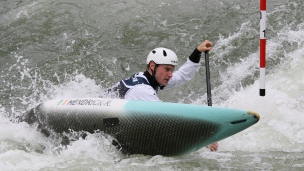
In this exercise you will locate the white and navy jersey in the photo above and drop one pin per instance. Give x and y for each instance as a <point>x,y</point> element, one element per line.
<point>138,87</point>
<point>123,87</point>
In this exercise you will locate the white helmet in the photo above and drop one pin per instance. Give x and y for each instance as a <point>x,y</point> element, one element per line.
<point>162,56</point>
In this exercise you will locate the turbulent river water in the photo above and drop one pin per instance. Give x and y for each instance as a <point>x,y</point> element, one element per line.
<point>72,48</point>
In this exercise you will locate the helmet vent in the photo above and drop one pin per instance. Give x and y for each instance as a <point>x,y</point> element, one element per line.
<point>153,51</point>
<point>165,53</point>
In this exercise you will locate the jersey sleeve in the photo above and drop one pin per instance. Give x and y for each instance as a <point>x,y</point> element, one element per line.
<point>142,92</point>
<point>185,73</point>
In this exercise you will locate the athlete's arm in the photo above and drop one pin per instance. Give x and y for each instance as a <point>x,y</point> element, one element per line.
<point>187,70</point>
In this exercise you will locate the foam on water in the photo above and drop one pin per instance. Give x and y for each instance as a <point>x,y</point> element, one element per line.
<point>25,85</point>
<point>281,125</point>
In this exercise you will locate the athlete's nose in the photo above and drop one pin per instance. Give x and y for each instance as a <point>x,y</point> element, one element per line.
<point>170,74</point>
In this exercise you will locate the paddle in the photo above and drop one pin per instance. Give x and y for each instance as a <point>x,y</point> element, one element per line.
<point>214,146</point>
<point>209,98</point>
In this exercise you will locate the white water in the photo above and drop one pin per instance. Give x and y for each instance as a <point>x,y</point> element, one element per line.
<point>280,129</point>
<point>281,126</point>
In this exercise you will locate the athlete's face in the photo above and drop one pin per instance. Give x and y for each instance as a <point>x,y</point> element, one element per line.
<point>164,74</point>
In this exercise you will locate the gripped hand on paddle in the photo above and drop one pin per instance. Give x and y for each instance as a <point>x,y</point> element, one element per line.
<point>213,147</point>
<point>205,46</point>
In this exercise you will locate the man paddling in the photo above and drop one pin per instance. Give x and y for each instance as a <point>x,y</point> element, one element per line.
<point>159,75</point>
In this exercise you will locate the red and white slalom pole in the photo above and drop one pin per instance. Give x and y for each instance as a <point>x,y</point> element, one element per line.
<point>262,46</point>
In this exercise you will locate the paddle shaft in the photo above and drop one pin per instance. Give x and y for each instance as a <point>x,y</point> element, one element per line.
<point>209,97</point>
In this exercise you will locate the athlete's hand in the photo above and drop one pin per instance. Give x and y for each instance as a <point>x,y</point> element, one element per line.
<point>213,147</point>
<point>205,46</point>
